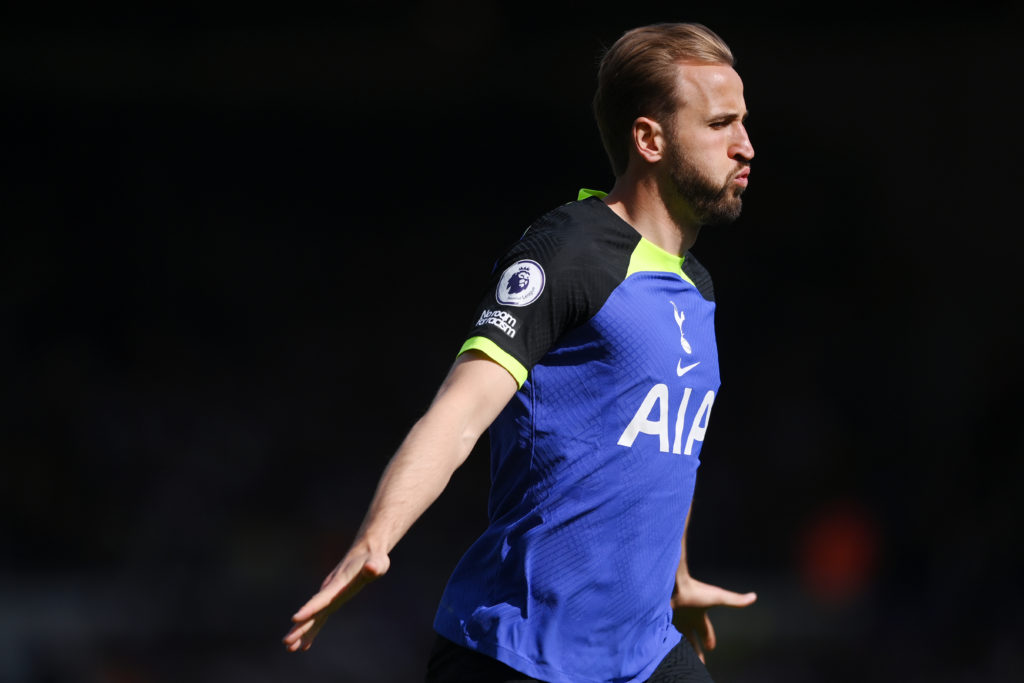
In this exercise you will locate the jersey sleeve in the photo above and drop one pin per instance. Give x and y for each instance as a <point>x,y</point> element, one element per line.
<point>534,296</point>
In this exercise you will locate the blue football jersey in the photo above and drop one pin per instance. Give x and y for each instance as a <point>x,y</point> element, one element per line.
<point>594,460</point>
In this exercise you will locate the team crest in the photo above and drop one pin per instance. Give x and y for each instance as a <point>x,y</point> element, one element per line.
<point>521,284</point>
<point>680,317</point>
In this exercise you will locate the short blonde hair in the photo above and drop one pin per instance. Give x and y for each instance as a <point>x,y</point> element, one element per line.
<point>637,77</point>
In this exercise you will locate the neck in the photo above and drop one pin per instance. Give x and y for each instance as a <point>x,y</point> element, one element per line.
<point>661,217</point>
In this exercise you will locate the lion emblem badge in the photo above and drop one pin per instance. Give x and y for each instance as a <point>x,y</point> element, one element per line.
<point>521,284</point>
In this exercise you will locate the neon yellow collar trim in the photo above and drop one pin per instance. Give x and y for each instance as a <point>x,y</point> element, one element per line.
<point>647,256</point>
<point>585,193</point>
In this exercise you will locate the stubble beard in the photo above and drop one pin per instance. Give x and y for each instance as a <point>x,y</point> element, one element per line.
<point>712,202</point>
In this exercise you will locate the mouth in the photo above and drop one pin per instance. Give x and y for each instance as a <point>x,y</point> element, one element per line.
<point>742,177</point>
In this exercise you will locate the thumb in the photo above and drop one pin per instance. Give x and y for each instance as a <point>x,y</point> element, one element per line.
<point>342,584</point>
<point>377,565</point>
<point>731,599</point>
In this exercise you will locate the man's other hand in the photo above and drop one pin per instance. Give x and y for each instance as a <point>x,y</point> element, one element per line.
<point>358,568</point>
<point>691,600</point>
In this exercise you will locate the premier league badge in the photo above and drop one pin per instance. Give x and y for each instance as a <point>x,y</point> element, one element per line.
<point>521,284</point>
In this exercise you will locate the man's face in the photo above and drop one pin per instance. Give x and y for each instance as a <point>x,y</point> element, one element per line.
<point>708,151</point>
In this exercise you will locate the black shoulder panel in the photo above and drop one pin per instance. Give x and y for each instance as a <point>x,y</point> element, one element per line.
<point>700,276</point>
<point>556,277</point>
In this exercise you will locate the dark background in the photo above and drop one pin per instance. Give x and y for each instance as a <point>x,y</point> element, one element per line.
<point>240,248</point>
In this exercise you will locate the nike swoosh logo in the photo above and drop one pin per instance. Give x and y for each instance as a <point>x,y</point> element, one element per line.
<point>680,370</point>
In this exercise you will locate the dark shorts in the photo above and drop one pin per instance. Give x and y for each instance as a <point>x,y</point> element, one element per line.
<point>451,663</point>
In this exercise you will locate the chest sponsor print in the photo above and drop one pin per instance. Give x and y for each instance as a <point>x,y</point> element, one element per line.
<point>654,418</point>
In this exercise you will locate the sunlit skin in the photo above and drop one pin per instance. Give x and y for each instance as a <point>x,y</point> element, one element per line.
<point>692,171</point>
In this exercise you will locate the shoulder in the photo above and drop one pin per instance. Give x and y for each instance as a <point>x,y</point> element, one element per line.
<point>556,277</point>
<point>699,275</point>
<point>581,234</point>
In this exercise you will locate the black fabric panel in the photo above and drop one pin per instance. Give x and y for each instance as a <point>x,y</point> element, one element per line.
<point>700,276</point>
<point>584,250</point>
<point>681,665</point>
<point>451,663</point>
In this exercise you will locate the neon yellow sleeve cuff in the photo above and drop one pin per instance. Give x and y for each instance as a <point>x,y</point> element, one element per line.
<point>498,355</point>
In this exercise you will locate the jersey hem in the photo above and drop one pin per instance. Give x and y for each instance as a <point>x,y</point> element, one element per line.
<point>547,673</point>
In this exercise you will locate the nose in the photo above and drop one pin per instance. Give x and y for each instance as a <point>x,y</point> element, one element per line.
<point>741,149</point>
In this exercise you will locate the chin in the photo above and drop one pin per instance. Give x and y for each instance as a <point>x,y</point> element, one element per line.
<point>724,213</point>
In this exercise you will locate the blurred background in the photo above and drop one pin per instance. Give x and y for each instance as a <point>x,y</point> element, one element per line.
<point>240,248</point>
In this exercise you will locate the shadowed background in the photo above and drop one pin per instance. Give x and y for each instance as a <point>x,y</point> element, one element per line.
<point>240,249</point>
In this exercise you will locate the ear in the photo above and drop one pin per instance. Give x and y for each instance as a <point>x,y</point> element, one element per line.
<point>648,139</point>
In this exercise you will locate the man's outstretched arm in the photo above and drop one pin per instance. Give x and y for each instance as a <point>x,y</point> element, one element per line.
<point>691,600</point>
<point>472,395</point>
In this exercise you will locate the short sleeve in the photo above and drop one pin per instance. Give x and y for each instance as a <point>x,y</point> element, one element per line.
<point>534,296</point>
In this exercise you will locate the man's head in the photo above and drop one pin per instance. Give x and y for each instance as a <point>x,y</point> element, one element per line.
<point>669,98</point>
<point>638,75</point>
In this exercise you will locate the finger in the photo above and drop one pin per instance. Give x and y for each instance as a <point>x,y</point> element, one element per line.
<point>314,606</point>
<point>343,592</point>
<point>713,595</point>
<point>697,648</point>
<point>335,595</point>
<point>693,636</point>
<point>700,630</point>
<point>731,599</point>
<point>739,599</point>
<point>309,636</point>
<point>337,587</point>
<point>295,635</point>
<point>302,635</point>
<point>341,586</point>
<point>709,634</point>
<point>293,644</point>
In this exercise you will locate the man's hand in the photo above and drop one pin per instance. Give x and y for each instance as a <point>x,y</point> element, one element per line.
<point>472,395</point>
<point>358,568</point>
<point>691,600</point>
